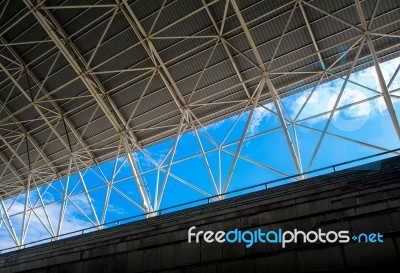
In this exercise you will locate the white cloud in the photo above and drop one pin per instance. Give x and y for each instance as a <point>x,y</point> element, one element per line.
<point>353,117</point>
<point>368,77</point>
<point>260,115</point>
<point>317,103</point>
<point>325,97</point>
<point>351,96</point>
<point>388,69</point>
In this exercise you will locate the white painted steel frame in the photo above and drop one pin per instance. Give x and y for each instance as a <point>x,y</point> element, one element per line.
<point>81,157</point>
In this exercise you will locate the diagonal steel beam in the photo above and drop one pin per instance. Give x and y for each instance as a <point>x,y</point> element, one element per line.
<point>102,98</point>
<point>14,151</point>
<point>136,174</point>
<point>11,167</point>
<point>381,79</point>
<point>64,199</point>
<point>335,106</point>
<point>110,183</point>
<point>270,85</point>
<point>256,94</point>
<point>332,15</point>
<point>44,208</point>
<point>11,228</point>
<point>153,54</point>
<point>165,75</point>
<point>82,180</point>
<point>8,162</point>
<point>282,35</point>
<point>248,35</point>
<point>381,149</point>
<point>48,96</point>
<point>74,58</point>
<point>361,14</point>
<point>394,76</point>
<point>38,110</point>
<point>274,94</point>
<point>29,136</point>
<point>54,33</point>
<point>384,88</point>
<point>310,31</point>
<point>182,126</point>
<point>231,59</point>
<point>169,83</point>
<point>206,163</point>
<point>24,225</point>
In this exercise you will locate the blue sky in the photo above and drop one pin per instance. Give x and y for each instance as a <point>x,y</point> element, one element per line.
<point>368,122</point>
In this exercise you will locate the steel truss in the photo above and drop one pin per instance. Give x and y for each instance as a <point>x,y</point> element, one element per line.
<point>41,175</point>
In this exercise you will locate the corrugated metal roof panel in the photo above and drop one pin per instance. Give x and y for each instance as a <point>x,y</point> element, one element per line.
<point>184,60</point>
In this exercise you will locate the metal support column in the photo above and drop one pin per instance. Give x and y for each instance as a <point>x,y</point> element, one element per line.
<point>11,228</point>
<point>181,128</point>
<point>23,224</point>
<point>136,174</point>
<point>384,89</point>
<point>274,96</point>
<point>257,92</point>
<point>64,199</point>
<point>86,192</point>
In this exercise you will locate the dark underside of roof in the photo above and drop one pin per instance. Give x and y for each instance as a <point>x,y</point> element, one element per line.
<point>45,101</point>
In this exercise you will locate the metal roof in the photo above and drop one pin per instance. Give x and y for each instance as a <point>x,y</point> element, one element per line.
<point>95,69</point>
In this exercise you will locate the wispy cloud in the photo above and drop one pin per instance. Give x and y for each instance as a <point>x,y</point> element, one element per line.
<point>318,101</point>
<point>260,115</point>
<point>369,78</point>
<point>324,98</point>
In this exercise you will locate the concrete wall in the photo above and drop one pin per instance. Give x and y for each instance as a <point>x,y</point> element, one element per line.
<point>356,200</point>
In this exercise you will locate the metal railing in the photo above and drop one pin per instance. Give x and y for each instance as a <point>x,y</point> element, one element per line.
<point>207,200</point>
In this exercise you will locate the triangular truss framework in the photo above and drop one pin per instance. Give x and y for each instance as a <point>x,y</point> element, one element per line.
<point>262,76</point>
